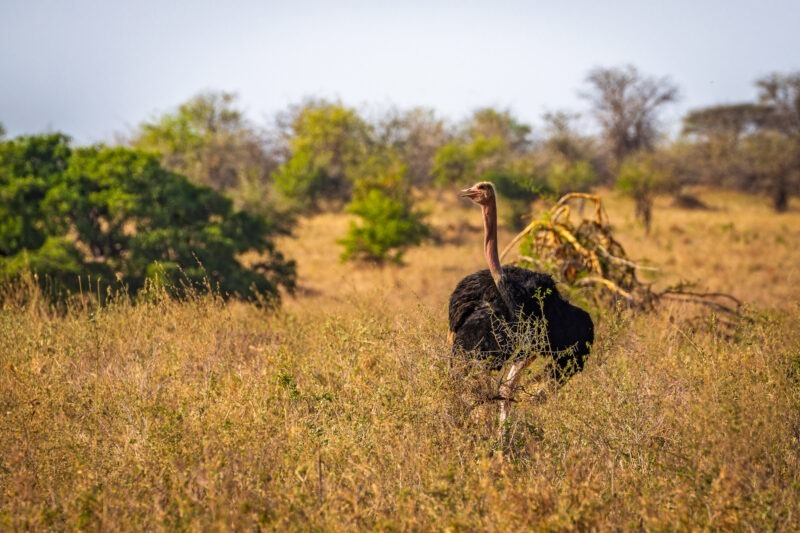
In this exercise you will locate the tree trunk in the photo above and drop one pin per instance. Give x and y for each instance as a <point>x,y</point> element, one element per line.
<point>780,201</point>
<point>644,210</point>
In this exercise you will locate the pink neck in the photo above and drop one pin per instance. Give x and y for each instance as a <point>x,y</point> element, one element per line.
<point>492,257</point>
<point>490,239</point>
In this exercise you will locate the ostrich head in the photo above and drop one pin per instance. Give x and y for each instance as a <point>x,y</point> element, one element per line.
<point>482,193</point>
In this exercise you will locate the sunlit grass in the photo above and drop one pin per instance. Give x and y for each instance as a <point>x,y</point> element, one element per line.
<point>345,410</point>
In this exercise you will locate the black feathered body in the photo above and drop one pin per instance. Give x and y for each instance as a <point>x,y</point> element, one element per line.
<point>480,320</point>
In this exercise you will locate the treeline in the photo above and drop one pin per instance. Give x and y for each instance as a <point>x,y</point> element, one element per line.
<point>189,195</point>
<point>322,155</point>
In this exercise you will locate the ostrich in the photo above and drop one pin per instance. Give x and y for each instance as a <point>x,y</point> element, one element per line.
<point>488,305</point>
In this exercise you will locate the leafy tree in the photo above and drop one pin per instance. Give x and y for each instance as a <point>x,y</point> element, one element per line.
<point>327,143</point>
<point>118,215</point>
<point>415,136</point>
<point>453,163</point>
<point>626,105</point>
<point>490,123</point>
<point>569,160</point>
<point>209,140</point>
<point>494,146</point>
<point>565,176</point>
<point>717,133</point>
<point>29,167</point>
<point>389,222</point>
<point>496,141</point>
<point>491,142</point>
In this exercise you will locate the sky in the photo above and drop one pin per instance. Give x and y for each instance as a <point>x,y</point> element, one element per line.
<point>96,70</point>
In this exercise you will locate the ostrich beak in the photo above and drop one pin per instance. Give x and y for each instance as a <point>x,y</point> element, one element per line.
<point>470,193</point>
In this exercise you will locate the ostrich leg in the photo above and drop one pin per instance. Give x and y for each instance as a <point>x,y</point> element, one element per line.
<point>509,387</point>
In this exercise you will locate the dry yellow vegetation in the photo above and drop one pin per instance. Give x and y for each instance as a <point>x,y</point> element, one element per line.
<point>341,410</point>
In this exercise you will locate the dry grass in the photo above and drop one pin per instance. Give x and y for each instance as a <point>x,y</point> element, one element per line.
<point>341,412</point>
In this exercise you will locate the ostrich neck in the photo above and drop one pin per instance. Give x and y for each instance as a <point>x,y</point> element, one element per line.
<point>490,240</point>
<point>492,256</point>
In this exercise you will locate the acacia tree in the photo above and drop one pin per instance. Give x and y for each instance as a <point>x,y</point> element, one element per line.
<point>751,146</point>
<point>717,134</point>
<point>626,104</point>
<point>781,93</point>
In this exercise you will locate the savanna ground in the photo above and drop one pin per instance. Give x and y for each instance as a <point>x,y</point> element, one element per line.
<point>342,410</point>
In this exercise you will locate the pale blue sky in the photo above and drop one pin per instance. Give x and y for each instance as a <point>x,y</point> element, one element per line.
<point>96,68</point>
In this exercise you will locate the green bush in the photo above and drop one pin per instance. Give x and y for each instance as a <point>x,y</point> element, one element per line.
<point>389,223</point>
<point>571,176</point>
<point>117,216</point>
<point>328,143</point>
<point>388,226</point>
<point>641,178</point>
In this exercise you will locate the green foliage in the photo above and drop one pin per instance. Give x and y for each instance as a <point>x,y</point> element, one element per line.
<point>302,181</point>
<point>494,147</point>
<point>490,123</point>
<point>517,191</point>
<point>388,227</point>
<point>563,139</point>
<point>117,215</point>
<point>415,135</point>
<point>524,187</point>
<point>637,177</point>
<point>29,167</point>
<point>492,142</point>
<point>773,164</point>
<point>208,140</point>
<point>641,178</point>
<point>389,223</point>
<point>728,122</point>
<point>570,176</point>
<point>452,164</point>
<point>205,139</point>
<point>327,143</point>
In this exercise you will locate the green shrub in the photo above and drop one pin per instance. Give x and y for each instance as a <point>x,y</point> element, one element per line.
<point>116,215</point>
<point>388,226</point>
<point>571,176</point>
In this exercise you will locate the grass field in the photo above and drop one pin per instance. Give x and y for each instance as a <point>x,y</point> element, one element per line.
<point>341,410</point>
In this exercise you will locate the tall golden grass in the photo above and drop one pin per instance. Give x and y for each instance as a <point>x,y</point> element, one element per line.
<point>342,411</point>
